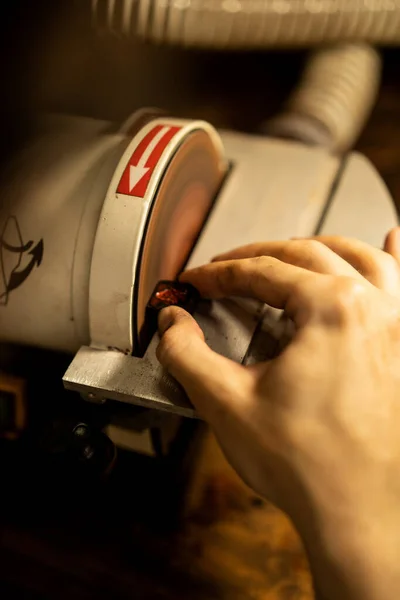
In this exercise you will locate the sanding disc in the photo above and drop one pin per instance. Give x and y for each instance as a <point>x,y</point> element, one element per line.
<point>179,210</point>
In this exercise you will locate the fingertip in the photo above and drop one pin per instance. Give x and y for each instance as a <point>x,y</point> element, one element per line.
<point>219,257</point>
<point>194,276</point>
<point>169,316</point>
<point>186,275</point>
<point>203,279</point>
<point>176,330</point>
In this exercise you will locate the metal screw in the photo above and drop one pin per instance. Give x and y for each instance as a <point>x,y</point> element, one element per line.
<point>80,430</point>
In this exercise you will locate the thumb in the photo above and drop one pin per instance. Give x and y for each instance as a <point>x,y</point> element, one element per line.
<point>215,385</point>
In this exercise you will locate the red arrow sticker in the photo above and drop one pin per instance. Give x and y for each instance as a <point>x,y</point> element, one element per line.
<point>136,177</point>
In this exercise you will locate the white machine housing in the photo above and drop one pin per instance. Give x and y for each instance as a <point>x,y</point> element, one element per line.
<point>73,244</point>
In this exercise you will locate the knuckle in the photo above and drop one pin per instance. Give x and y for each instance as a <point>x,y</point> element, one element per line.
<point>229,275</point>
<point>290,251</point>
<point>386,261</point>
<point>260,265</point>
<point>309,246</point>
<point>305,253</point>
<point>348,297</point>
<point>387,265</point>
<point>379,267</point>
<point>259,262</point>
<point>387,276</point>
<point>306,292</point>
<point>256,275</point>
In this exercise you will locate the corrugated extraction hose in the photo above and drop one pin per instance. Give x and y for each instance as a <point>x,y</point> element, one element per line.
<point>340,83</point>
<point>253,24</point>
<point>334,98</point>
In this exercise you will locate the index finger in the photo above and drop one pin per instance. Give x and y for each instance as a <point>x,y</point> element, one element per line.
<point>263,278</point>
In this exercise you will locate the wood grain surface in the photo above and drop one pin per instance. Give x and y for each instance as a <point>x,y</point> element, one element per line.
<point>224,543</point>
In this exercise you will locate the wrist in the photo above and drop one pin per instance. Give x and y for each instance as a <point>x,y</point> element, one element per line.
<point>353,552</point>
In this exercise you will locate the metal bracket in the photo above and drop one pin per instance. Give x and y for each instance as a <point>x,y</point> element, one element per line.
<point>228,326</point>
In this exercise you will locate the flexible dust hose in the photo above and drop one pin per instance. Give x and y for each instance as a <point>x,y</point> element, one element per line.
<point>252,24</point>
<point>333,99</point>
<point>340,83</point>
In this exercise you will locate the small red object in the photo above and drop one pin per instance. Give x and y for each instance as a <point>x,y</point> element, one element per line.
<point>172,296</point>
<point>165,294</point>
<point>173,293</point>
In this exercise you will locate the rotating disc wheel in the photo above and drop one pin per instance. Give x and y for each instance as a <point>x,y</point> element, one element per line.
<point>155,208</point>
<point>178,212</point>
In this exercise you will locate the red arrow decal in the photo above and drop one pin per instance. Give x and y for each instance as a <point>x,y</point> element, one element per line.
<point>137,174</point>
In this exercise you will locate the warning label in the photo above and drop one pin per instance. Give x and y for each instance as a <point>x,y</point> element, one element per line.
<point>137,174</point>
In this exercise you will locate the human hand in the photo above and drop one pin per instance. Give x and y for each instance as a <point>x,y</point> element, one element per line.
<point>315,430</point>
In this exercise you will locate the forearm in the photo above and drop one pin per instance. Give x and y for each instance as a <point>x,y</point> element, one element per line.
<point>353,578</point>
<point>356,562</point>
